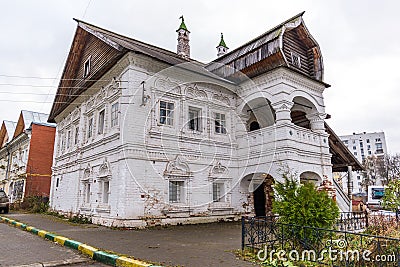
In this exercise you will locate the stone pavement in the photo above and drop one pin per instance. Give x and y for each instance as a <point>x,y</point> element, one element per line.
<point>189,245</point>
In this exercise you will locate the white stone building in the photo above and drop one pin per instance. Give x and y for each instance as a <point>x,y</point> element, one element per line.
<point>364,145</point>
<point>149,136</point>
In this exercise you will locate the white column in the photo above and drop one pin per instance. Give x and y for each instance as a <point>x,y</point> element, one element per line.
<point>282,111</point>
<point>317,121</point>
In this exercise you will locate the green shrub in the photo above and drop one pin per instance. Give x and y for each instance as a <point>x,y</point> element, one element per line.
<point>35,204</point>
<point>304,204</point>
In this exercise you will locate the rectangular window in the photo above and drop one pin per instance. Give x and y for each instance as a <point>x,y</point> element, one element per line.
<point>354,147</point>
<point>87,193</point>
<point>100,130</point>
<point>114,114</point>
<point>90,128</point>
<point>346,141</point>
<point>86,68</point>
<point>367,140</point>
<point>194,119</point>
<point>296,60</point>
<point>218,192</point>
<point>220,123</point>
<point>62,142</point>
<point>355,153</point>
<point>369,152</point>
<point>76,135</point>
<point>106,191</point>
<point>166,113</point>
<point>176,191</point>
<point>68,139</point>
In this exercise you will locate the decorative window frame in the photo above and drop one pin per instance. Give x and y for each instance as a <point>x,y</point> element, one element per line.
<point>103,177</point>
<point>177,170</point>
<point>220,174</point>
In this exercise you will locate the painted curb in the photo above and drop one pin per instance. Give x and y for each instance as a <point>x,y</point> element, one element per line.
<point>92,252</point>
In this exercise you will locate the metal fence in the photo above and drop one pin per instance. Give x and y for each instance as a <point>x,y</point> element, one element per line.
<point>352,221</point>
<point>272,240</point>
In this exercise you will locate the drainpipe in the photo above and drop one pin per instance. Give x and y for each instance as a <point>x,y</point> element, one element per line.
<point>349,186</point>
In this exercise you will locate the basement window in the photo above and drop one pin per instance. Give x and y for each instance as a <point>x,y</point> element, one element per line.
<point>296,60</point>
<point>86,68</point>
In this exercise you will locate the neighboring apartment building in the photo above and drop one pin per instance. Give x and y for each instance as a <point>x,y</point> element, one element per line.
<point>364,145</point>
<point>26,155</point>
<point>149,136</point>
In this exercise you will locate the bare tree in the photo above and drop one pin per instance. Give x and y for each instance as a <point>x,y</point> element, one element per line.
<point>388,168</point>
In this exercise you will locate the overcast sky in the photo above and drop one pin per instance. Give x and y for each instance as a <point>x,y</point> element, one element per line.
<point>359,42</point>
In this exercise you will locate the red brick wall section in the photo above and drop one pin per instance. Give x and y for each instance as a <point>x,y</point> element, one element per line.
<point>40,160</point>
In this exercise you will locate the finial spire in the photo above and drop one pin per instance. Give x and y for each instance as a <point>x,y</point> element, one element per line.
<point>183,25</point>
<point>222,42</point>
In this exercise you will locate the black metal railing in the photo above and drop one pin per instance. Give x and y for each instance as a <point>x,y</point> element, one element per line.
<point>267,237</point>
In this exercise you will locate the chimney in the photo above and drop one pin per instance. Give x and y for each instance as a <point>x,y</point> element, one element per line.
<point>183,47</point>
<point>222,49</point>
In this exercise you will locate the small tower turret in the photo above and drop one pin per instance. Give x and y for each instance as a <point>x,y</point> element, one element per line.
<point>222,49</point>
<point>183,47</point>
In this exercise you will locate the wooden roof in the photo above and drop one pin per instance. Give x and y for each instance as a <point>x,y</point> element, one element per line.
<point>109,47</point>
<point>271,50</point>
<point>341,155</point>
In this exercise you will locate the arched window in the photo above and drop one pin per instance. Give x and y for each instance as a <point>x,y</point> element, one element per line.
<point>254,126</point>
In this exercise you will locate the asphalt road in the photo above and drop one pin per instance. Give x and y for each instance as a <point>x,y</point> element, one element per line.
<point>20,248</point>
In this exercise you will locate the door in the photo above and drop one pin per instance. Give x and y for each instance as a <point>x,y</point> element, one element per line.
<point>259,200</point>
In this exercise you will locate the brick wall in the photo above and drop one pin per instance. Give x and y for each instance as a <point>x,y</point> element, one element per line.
<point>40,161</point>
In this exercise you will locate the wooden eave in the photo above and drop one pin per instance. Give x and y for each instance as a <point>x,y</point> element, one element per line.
<point>341,155</point>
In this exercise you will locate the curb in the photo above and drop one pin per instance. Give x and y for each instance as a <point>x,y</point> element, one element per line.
<point>92,252</point>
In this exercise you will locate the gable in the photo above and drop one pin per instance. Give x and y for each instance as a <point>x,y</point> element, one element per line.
<point>297,43</point>
<point>20,126</point>
<point>73,81</point>
<point>3,135</point>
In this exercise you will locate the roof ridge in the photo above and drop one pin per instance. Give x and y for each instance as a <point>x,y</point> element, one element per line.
<point>120,36</point>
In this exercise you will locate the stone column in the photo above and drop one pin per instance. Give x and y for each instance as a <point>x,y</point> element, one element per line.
<point>282,111</point>
<point>317,121</point>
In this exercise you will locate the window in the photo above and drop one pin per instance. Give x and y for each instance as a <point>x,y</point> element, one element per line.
<point>87,193</point>
<point>354,147</point>
<point>377,140</point>
<point>100,130</point>
<point>62,143</point>
<point>86,68</point>
<point>220,123</point>
<point>369,152</point>
<point>355,153</point>
<point>369,147</point>
<point>176,191</point>
<point>367,140</point>
<point>90,128</point>
<point>358,177</point>
<point>76,135</point>
<point>57,182</point>
<point>68,139</point>
<point>296,59</point>
<point>361,144</point>
<point>106,191</point>
<point>346,141</point>
<point>114,114</point>
<point>166,113</point>
<point>218,192</point>
<point>194,119</point>
<point>379,148</point>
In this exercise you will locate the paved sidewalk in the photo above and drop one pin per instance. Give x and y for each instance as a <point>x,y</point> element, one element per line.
<point>190,245</point>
